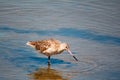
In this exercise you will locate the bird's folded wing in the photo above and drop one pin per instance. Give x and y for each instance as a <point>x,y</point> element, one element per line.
<point>42,45</point>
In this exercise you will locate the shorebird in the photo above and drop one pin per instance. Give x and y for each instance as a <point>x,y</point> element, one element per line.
<point>50,47</point>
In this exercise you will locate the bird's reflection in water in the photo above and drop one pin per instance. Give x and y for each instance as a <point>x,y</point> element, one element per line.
<point>47,74</point>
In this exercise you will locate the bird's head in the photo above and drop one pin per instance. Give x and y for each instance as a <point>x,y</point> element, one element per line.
<point>65,46</point>
<point>31,44</point>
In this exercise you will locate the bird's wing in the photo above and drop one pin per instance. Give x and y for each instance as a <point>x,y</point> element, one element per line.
<point>42,45</point>
<point>54,41</point>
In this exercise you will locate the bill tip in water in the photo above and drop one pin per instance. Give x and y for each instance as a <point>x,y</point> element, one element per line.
<point>75,58</point>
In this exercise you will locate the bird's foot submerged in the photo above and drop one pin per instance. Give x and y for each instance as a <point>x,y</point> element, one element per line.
<point>49,63</point>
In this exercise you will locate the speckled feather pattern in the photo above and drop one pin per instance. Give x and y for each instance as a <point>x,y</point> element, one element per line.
<point>47,47</point>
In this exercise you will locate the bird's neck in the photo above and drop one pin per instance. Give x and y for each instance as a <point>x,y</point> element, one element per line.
<point>61,49</point>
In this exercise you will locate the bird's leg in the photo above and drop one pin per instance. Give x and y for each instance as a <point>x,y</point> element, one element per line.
<point>48,60</point>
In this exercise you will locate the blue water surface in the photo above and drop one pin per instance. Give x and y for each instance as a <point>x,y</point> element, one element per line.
<point>90,27</point>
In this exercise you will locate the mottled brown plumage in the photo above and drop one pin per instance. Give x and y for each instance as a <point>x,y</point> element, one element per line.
<point>50,47</point>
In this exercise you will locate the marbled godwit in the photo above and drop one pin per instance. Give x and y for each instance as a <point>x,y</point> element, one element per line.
<point>50,47</point>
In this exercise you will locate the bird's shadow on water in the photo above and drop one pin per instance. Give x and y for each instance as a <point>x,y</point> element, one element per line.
<point>47,73</point>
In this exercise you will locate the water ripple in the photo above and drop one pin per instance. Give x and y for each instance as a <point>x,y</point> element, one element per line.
<point>71,32</point>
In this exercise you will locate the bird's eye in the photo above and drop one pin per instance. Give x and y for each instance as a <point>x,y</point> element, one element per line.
<point>66,47</point>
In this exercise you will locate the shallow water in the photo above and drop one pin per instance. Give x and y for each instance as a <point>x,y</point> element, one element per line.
<point>91,27</point>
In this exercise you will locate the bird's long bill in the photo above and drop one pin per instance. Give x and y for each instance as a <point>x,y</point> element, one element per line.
<point>72,55</point>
